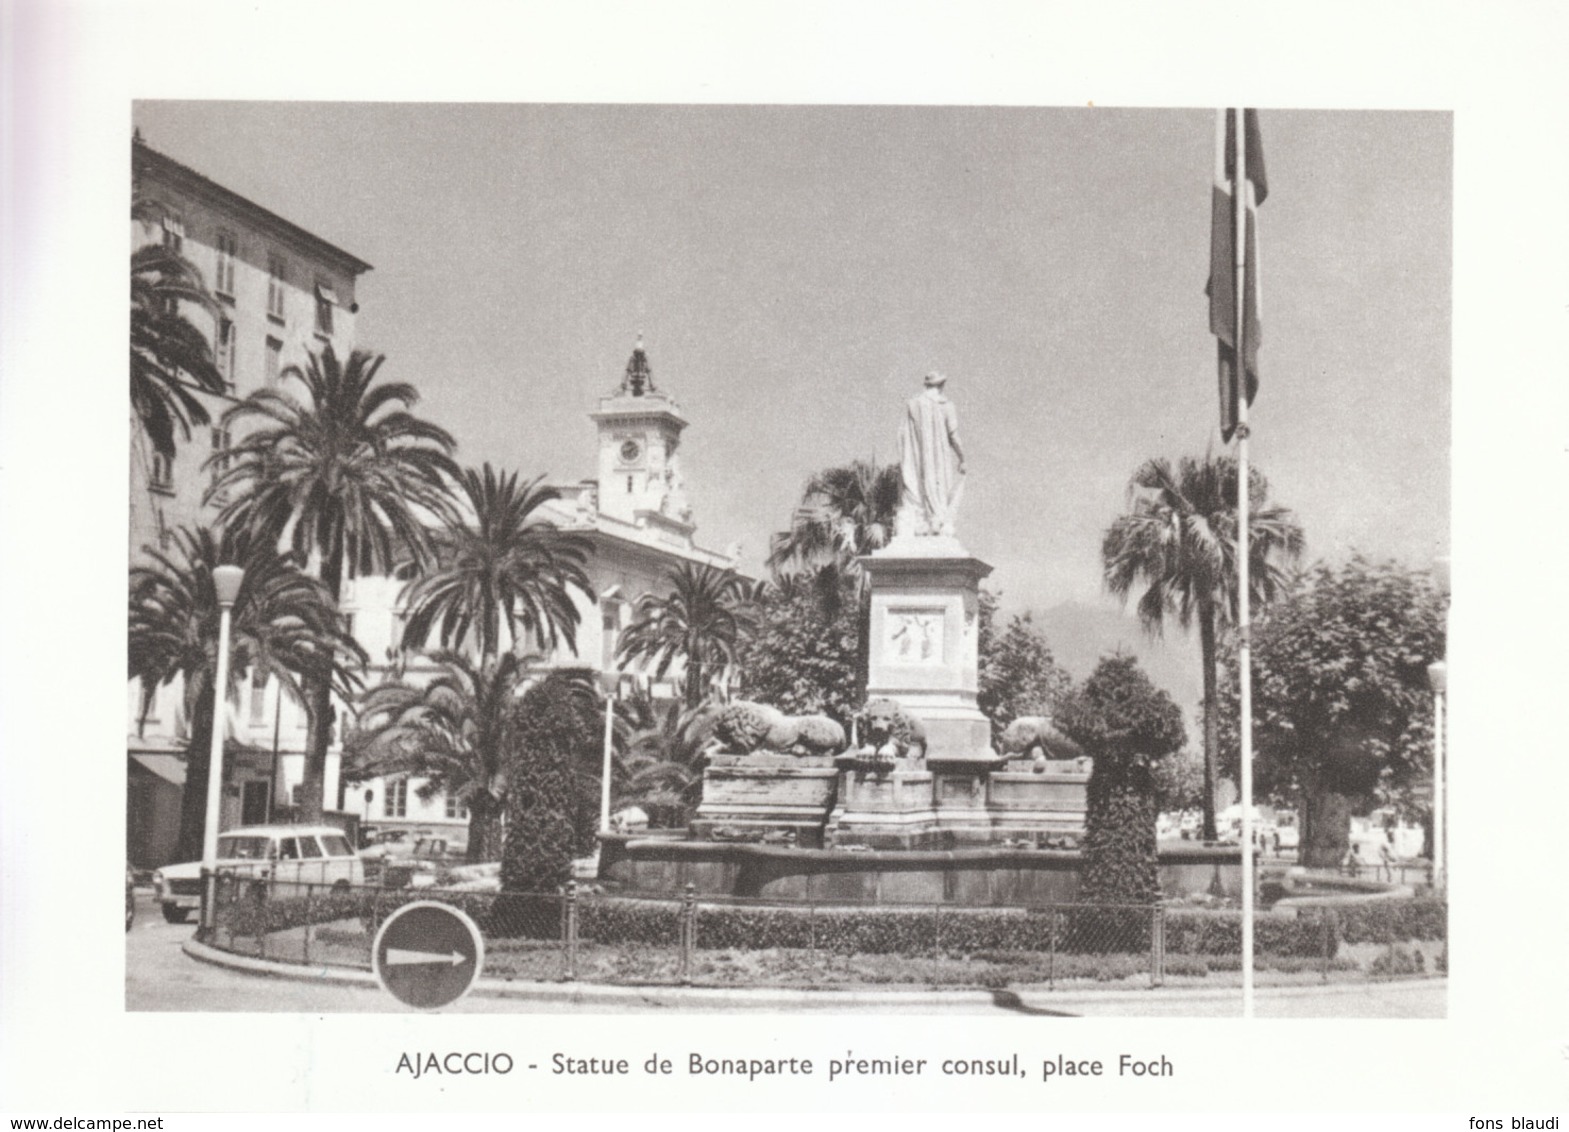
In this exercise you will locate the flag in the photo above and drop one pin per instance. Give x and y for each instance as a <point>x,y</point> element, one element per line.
<point>1222,261</point>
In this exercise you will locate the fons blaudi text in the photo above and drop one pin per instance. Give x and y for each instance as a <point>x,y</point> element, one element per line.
<point>1056,1067</point>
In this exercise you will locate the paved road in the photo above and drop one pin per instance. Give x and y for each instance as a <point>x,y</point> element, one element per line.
<point>160,976</point>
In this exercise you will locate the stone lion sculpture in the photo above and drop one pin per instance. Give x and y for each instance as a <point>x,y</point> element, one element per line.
<point>888,732</point>
<point>1036,736</point>
<point>805,735</point>
<point>745,727</point>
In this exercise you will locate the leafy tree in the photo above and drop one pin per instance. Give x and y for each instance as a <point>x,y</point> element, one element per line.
<point>845,513</point>
<point>800,658</point>
<point>499,564</point>
<point>348,478</point>
<point>699,622</point>
<point>171,357</point>
<point>283,624</point>
<point>1341,704</point>
<point>552,734</point>
<point>1018,673</point>
<point>661,757</point>
<point>1127,725</point>
<point>1179,781</point>
<point>452,732</point>
<point>1179,541</point>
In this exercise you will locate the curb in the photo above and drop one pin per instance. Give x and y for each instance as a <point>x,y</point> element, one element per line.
<point>764,998</point>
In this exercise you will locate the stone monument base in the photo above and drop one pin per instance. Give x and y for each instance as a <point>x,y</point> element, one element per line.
<point>766,797</point>
<point>887,808</point>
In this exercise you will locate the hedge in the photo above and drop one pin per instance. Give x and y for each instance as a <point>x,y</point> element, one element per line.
<point>1380,921</point>
<point>890,929</point>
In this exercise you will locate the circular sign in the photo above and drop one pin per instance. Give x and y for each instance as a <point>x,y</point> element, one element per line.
<point>428,954</point>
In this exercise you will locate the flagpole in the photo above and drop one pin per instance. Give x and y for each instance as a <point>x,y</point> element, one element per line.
<point>1239,199</point>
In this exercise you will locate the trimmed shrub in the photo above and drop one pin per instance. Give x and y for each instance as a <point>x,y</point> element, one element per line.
<point>1218,931</point>
<point>253,913</point>
<point>1398,961</point>
<point>1421,917</point>
<point>629,921</point>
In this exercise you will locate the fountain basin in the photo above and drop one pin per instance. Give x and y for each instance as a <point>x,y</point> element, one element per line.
<point>969,876</point>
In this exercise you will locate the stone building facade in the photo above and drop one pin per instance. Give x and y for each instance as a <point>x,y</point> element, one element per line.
<point>284,292</point>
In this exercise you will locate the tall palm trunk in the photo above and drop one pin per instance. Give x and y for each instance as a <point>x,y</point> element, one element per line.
<point>484,829</point>
<point>193,798</point>
<point>692,678</point>
<point>318,704</point>
<point>1211,714</point>
<point>863,636</point>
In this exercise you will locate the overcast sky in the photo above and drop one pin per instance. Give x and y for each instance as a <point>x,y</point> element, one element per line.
<point>795,270</point>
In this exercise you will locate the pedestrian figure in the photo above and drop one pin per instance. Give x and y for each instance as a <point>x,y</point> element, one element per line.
<point>1352,864</point>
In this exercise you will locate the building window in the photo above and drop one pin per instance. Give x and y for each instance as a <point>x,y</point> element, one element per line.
<point>173,232</point>
<point>277,275</point>
<point>223,354</point>
<point>456,810</point>
<point>258,696</point>
<point>161,475</point>
<point>395,802</point>
<point>165,535</point>
<point>274,360</point>
<point>326,299</point>
<point>629,485</point>
<point>223,284</point>
<point>221,442</point>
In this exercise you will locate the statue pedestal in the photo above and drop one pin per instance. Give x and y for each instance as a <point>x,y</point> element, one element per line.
<point>884,808</point>
<point>923,643</point>
<point>761,796</point>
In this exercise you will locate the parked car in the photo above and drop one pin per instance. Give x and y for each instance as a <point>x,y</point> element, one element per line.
<point>282,854</point>
<point>384,843</point>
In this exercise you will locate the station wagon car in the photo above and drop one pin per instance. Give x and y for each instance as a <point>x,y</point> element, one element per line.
<point>292,855</point>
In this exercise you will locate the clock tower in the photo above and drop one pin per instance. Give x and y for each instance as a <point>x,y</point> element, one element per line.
<point>639,472</point>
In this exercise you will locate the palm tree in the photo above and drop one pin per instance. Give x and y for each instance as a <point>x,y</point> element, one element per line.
<point>283,624</point>
<point>169,354</point>
<point>503,565</point>
<point>661,757</point>
<point>1179,539</point>
<point>348,478</point>
<point>845,513</point>
<point>700,622</point>
<point>452,732</point>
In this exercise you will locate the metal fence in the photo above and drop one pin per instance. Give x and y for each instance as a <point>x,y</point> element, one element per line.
<point>734,942</point>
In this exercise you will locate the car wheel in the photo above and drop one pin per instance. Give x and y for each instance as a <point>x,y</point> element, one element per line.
<point>175,914</point>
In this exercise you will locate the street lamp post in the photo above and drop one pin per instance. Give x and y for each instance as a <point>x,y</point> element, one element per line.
<point>604,772</point>
<point>226,584</point>
<point>1438,680</point>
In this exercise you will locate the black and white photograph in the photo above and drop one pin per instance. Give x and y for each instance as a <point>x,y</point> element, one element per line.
<point>889,580</point>
<point>790,549</point>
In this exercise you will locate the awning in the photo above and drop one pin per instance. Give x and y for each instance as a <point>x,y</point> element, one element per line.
<point>326,294</point>
<point>170,768</point>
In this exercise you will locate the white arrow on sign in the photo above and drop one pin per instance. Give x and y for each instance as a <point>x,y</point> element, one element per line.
<point>398,955</point>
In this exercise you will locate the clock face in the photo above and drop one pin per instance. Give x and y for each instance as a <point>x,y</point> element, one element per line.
<point>630,451</point>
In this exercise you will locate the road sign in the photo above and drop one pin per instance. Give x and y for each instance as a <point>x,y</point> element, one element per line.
<point>428,954</point>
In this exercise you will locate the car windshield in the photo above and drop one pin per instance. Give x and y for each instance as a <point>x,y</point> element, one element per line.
<point>336,846</point>
<point>243,848</point>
